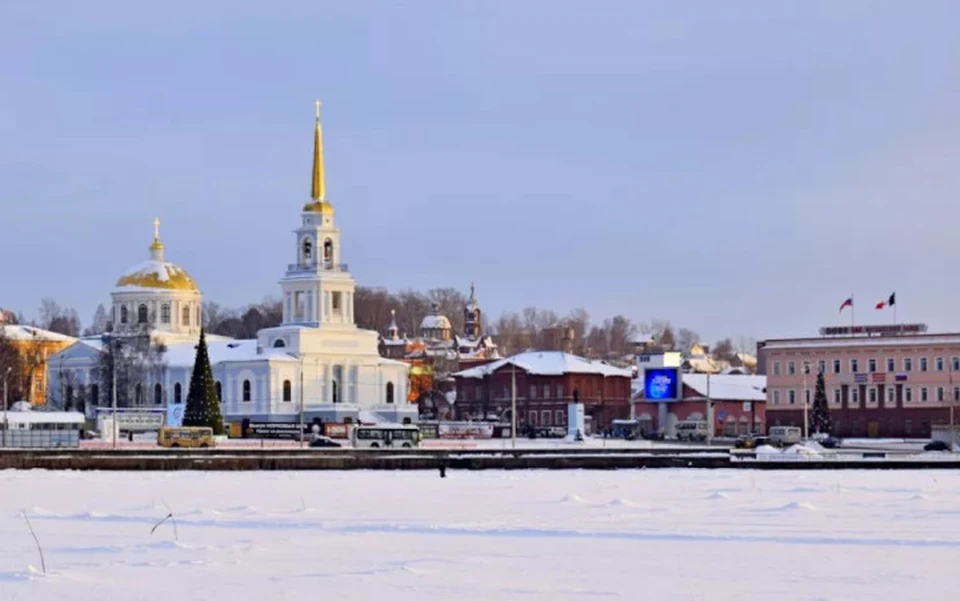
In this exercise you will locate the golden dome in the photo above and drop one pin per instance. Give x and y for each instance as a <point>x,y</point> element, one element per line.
<point>318,206</point>
<point>158,275</point>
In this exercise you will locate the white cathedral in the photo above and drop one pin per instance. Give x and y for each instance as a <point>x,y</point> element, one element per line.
<point>318,343</point>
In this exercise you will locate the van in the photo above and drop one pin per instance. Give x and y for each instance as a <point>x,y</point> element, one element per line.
<point>785,435</point>
<point>187,437</point>
<point>692,430</point>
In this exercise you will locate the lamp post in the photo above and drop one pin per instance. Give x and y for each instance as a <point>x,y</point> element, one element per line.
<point>953,402</point>
<point>6,404</point>
<point>806,403</point>
<point>114,346</point>
<point>301,400</point>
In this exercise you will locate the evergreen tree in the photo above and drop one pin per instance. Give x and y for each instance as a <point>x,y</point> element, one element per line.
<point>821,412</point>
<point>203,406</point>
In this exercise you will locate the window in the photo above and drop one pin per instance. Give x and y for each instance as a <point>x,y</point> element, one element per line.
<point>533,391</point>
<point>776,368</point>
<point>185,316</point>
<point>854,366</point>
<point>939,363</point>
<point>279,343</point>
<point>69,397</point>
<point>287,391</point>
<point>836,396</point>
<point>123,315</point>
<point>923,394</point>
<point>776,397</point>
<point>908,364</point>
<point>956,394</point>
<point>138,394</point>
<point>307,249</point>
<point>142,314</point>
<point>532,417</point>
<point>164,313</point>
<point>807,395</point>
<point>157,394</point>
<point>891,365</point>
<point>559,391</point>
<point>791,368</point>
<point>891,395</point>
<point>923,364</point>
<point>546,391</point>
<point>836,366</point>
<point>246,390</point>
<point>558,418</point>
<point>872,398</point>
<point>95,394</point>
<point>792,395</point>
<point>872,365</point>
<point>389,393</point>
<point>177,393</point>
<point>821,366</point>
<point>854,395</point>
<point>907,394</point>
<point>806,367</point>
<point>545,417</point>
<point>219,391</point>
<point>940,393</point>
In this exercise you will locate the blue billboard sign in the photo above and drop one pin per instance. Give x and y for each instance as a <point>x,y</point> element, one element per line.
<point>661,384</point>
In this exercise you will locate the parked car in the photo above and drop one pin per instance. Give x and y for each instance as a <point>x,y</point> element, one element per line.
<point>324,441</point>
<point>751,441</point>
<point>936,445</point>
<point>830,442</point>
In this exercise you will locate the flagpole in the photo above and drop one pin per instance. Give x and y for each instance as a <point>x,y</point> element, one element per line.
<point>853,312</point>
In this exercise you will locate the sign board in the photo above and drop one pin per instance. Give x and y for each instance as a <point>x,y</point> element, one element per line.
<point>747,406</point>
<point>276,430</point>
<point>175,415</point>
<point>455,430</point>
<point>662,384</point>
<point>575,420</point>
<point>879,330</point>
<point>336,430</point>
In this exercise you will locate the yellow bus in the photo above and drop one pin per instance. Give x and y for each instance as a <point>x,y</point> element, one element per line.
<point>170,437</point>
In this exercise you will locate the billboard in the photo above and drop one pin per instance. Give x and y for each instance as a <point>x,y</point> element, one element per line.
<point>661,384</point>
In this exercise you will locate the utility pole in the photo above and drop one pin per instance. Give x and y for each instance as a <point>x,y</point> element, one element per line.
<point>806,404</point>
<point>113,390</point>
<point>513,406</point>
<point>6,405</point>
<point>301,400</point>
<point>711,419</point>
<point>953,401</point>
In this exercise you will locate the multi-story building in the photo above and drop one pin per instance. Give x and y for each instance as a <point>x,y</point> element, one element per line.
<point>886,381</point>
<point>546,383</point>
<point>34,346</point>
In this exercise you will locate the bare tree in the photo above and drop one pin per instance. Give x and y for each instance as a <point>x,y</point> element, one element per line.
<point>686,338</point>
<point>724,350</point>
<point>98,325</point>
<point>450,302</point>
<point>11,367</point>
<point>58,319</point>
<point>371,308</point>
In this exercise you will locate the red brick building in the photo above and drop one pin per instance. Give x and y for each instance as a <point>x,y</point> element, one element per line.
<point>546,382</point>
<point>887,380</point>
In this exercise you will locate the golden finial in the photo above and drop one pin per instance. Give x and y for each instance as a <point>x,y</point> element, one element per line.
<point>319,189</point>
<point>156,249</point>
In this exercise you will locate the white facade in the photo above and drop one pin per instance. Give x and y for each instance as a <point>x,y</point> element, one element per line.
<point>318,343</point>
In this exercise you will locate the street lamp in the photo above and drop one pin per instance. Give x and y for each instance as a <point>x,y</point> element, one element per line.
<point>6,404</point>
<point>806,402</point>
<point>301,400</point>
<point>114,346</point>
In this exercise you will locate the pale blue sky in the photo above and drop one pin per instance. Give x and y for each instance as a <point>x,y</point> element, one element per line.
<point>736,167</point>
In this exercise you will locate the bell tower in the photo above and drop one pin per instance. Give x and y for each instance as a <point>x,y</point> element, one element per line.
<point>318,289</point>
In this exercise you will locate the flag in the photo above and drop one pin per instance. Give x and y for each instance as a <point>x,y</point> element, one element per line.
<point>846,303</point>
<point>889,302</point>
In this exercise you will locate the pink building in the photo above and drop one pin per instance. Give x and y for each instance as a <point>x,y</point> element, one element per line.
<point>881,381</point>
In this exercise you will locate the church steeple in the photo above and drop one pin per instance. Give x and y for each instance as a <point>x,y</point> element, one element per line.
<point>318,185</point>
<point>156,248</point>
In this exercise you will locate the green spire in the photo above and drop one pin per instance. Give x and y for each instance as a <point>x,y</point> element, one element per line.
<point>203,406</point>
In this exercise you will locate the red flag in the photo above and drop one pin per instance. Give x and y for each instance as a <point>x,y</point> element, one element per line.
<point>846,303</point>
<point>881,304</point>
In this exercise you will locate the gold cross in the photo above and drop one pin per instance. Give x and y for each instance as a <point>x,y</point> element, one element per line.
<point>156,228</point>
<point>318,103</point>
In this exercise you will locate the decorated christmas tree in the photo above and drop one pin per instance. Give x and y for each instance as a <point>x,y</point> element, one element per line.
<point>821,412</point>
<point>203,406</point>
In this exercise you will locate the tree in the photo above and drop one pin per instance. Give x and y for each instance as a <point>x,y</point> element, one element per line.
<point>11,368</point>
<point>724,350</point>
<point>58,319</point>
<point>821,412</point>
<point>98,325</point>
<point>686,338</point>
<point>203,405</point>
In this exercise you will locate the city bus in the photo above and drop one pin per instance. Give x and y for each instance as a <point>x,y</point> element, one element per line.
<point>187,437</point>
<point>377,436</point>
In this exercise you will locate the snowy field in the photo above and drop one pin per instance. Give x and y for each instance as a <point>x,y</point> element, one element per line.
<point>537,535</point>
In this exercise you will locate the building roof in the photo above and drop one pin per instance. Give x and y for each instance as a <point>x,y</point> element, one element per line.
<point>17,332</point>
<point>547,363</point>
<point>154,275</point>
<point>728,387</point>
<point>860,341</point>
<point>220,351</point>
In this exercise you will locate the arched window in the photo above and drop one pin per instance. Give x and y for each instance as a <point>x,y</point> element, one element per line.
<point>279,343</point>
<point>307,249</point>
<point>335,392</point>
<point>123,314</point>
<point>328,251</point>
<point>177,393</point>
<point>219,391</point>
<point>337,382</point>
<point>246,390</point>
<point>157,394</point>
<point>389,392</point>
<point>287,391</point>
<point>142,314</point>
<point>164,313</point>
<point>138,394</point>
<point>185,318</point>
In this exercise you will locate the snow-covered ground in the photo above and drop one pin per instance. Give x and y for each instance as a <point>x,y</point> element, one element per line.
<point>630,534</point>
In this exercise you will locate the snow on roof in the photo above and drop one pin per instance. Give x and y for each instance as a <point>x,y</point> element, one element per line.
<point>435,322</point>
<point>18,332</point>
<point>861,341</point>
<point>153,274</point>
<point>184,354</point>
<point>547,363</point>
<point>728,387</point>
